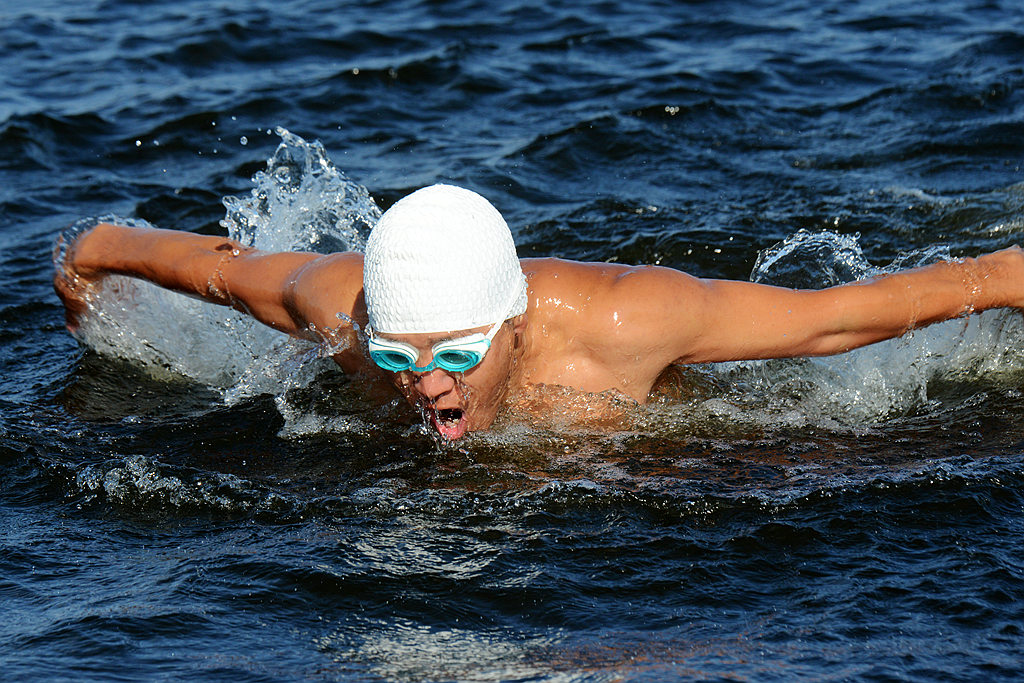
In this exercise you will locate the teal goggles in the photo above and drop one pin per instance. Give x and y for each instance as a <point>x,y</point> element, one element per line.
<point>453,355</point>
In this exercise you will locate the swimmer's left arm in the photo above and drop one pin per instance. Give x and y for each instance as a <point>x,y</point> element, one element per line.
<point>719,320</point>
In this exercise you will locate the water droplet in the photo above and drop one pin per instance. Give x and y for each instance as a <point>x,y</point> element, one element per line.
<point>244,140</point>
<point>138,143</point>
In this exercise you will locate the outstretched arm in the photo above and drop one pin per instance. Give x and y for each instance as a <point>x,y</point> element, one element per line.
<point>741,320</point>
<point>272,287</point>
<point>655,316</point>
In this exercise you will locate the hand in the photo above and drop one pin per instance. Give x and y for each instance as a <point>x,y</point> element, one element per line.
<point>71,286</point>
<point>74,297</point>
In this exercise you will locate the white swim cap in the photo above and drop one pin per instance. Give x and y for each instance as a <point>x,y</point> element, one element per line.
<point>441,259</point>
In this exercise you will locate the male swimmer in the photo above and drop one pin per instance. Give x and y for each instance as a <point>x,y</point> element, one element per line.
<point>458,324</point>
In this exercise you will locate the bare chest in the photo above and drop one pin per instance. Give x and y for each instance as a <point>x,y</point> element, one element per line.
<point>582,373</point>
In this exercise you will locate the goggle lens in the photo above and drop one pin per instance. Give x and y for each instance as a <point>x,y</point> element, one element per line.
<point>457,360</point>
<point>392,360</point>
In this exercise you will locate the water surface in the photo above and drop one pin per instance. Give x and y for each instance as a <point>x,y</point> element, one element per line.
<point>189,496</point>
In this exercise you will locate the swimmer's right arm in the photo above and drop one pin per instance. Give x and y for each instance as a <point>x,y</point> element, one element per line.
<point>267,286</point>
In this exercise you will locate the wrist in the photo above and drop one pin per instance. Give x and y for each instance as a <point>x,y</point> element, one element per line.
<point>89,254</point>
<point>1000,277</point>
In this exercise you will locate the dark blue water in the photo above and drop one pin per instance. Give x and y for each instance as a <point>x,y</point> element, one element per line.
<point>189,499</point>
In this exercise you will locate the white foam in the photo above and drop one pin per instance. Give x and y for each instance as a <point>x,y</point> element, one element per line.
<point>872,383</point>
<point>301,202</point>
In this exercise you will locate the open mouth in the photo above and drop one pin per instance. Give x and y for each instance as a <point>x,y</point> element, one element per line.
<point>450,423</point>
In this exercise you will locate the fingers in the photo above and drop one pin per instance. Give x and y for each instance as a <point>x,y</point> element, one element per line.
<point>70,287</point>
<point>74,294</point>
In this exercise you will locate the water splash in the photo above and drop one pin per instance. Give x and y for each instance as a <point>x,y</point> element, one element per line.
<point>300,202</point>
<point>812,260</point>
<point>867,385</point>
<point>141,483</point>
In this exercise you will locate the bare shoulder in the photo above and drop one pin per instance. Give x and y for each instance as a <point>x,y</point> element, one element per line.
<point>606,325</point>
<point>561,277</point>
<point>609,293</point>
<point>561,289</point>
<point>327,286</point>
<point>596,272</point>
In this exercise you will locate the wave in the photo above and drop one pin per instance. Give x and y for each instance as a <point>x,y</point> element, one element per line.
<point>686,486</point>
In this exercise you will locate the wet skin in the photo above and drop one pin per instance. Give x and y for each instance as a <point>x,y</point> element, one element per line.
<point>594,327</point>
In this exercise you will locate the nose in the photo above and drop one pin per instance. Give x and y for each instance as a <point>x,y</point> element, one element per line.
<point>433,384</point>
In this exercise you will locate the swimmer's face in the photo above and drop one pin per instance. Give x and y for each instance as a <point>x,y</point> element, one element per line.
<point>459,402</point>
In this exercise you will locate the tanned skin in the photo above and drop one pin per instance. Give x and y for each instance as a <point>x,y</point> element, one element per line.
<point>591,326</point>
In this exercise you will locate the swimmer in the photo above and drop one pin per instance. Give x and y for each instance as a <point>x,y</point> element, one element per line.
<point>441,309</point>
